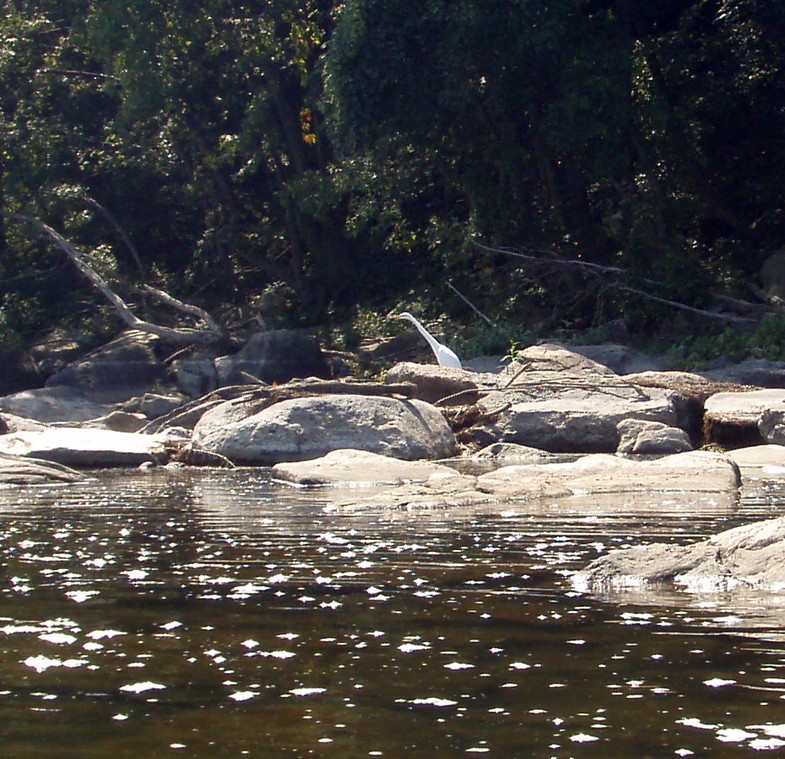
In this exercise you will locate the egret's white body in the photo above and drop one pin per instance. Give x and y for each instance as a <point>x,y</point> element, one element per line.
<point>443,354</point>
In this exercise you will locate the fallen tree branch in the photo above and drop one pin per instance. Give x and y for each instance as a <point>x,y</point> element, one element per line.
<point>187,308</point>
<point>685,307</point>
<point>210,336</point>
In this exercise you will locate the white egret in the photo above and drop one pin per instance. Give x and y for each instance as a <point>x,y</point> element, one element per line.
<point>443,354</point>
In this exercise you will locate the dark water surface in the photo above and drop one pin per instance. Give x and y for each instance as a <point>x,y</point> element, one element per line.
<point>217,614</point>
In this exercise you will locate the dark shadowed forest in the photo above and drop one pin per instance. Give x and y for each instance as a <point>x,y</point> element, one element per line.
<point>517,168</point>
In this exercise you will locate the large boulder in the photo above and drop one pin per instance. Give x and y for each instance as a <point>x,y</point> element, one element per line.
<point>557,400</point>
<point>59,347</point>
<point>196,376</point>
<point>274,357</point>
<point>123,368</point>
<point>772,275</point>
<point>305,428</point>
<point>53,405</point>
<point>771,425</point>
<point>620,358</point>
<point>17,371</point>
<point>748,557</point>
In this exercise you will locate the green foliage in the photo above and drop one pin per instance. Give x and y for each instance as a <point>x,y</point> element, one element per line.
<point>350,151</point>
<point>765,341</point>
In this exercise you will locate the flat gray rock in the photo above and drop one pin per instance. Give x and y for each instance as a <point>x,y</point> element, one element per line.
<point>53,405</point>
<point>691,472</point>
<point>620,358</point>
<point>511,452</point>
<point>754,371</point>
<point>358,468</point>
<point>743,408</point>
<point>86,447</point>
<point>770,457</point>
<point>13,423</point>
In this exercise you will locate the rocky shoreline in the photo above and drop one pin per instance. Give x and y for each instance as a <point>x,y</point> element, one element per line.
<point>557,422</point>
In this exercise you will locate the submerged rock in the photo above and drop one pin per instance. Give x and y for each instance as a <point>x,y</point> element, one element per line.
<point>614,478</point>
<point>306,428</point>
<point>21,470</point>
<point>750,557</point>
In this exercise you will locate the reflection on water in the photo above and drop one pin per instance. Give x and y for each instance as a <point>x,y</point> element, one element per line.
<point>216,614</point>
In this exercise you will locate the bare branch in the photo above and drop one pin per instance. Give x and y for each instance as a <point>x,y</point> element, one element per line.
<point>470,304</point>
<point>598,269</point>
<point>94,204</point>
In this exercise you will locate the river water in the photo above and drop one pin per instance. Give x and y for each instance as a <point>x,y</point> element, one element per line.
<point>200,613</point>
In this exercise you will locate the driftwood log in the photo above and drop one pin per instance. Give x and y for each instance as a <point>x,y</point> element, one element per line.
<point>262,396</point>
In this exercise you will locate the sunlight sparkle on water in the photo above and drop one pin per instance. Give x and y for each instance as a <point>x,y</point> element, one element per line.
<point>456,632</point>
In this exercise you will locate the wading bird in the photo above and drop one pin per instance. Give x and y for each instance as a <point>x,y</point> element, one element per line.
<point>443,354</point>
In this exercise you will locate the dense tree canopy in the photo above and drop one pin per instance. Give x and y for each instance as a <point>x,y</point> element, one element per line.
<point>348,151</point>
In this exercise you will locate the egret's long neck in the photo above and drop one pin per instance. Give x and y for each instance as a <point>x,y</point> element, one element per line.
<point>431,340</point>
